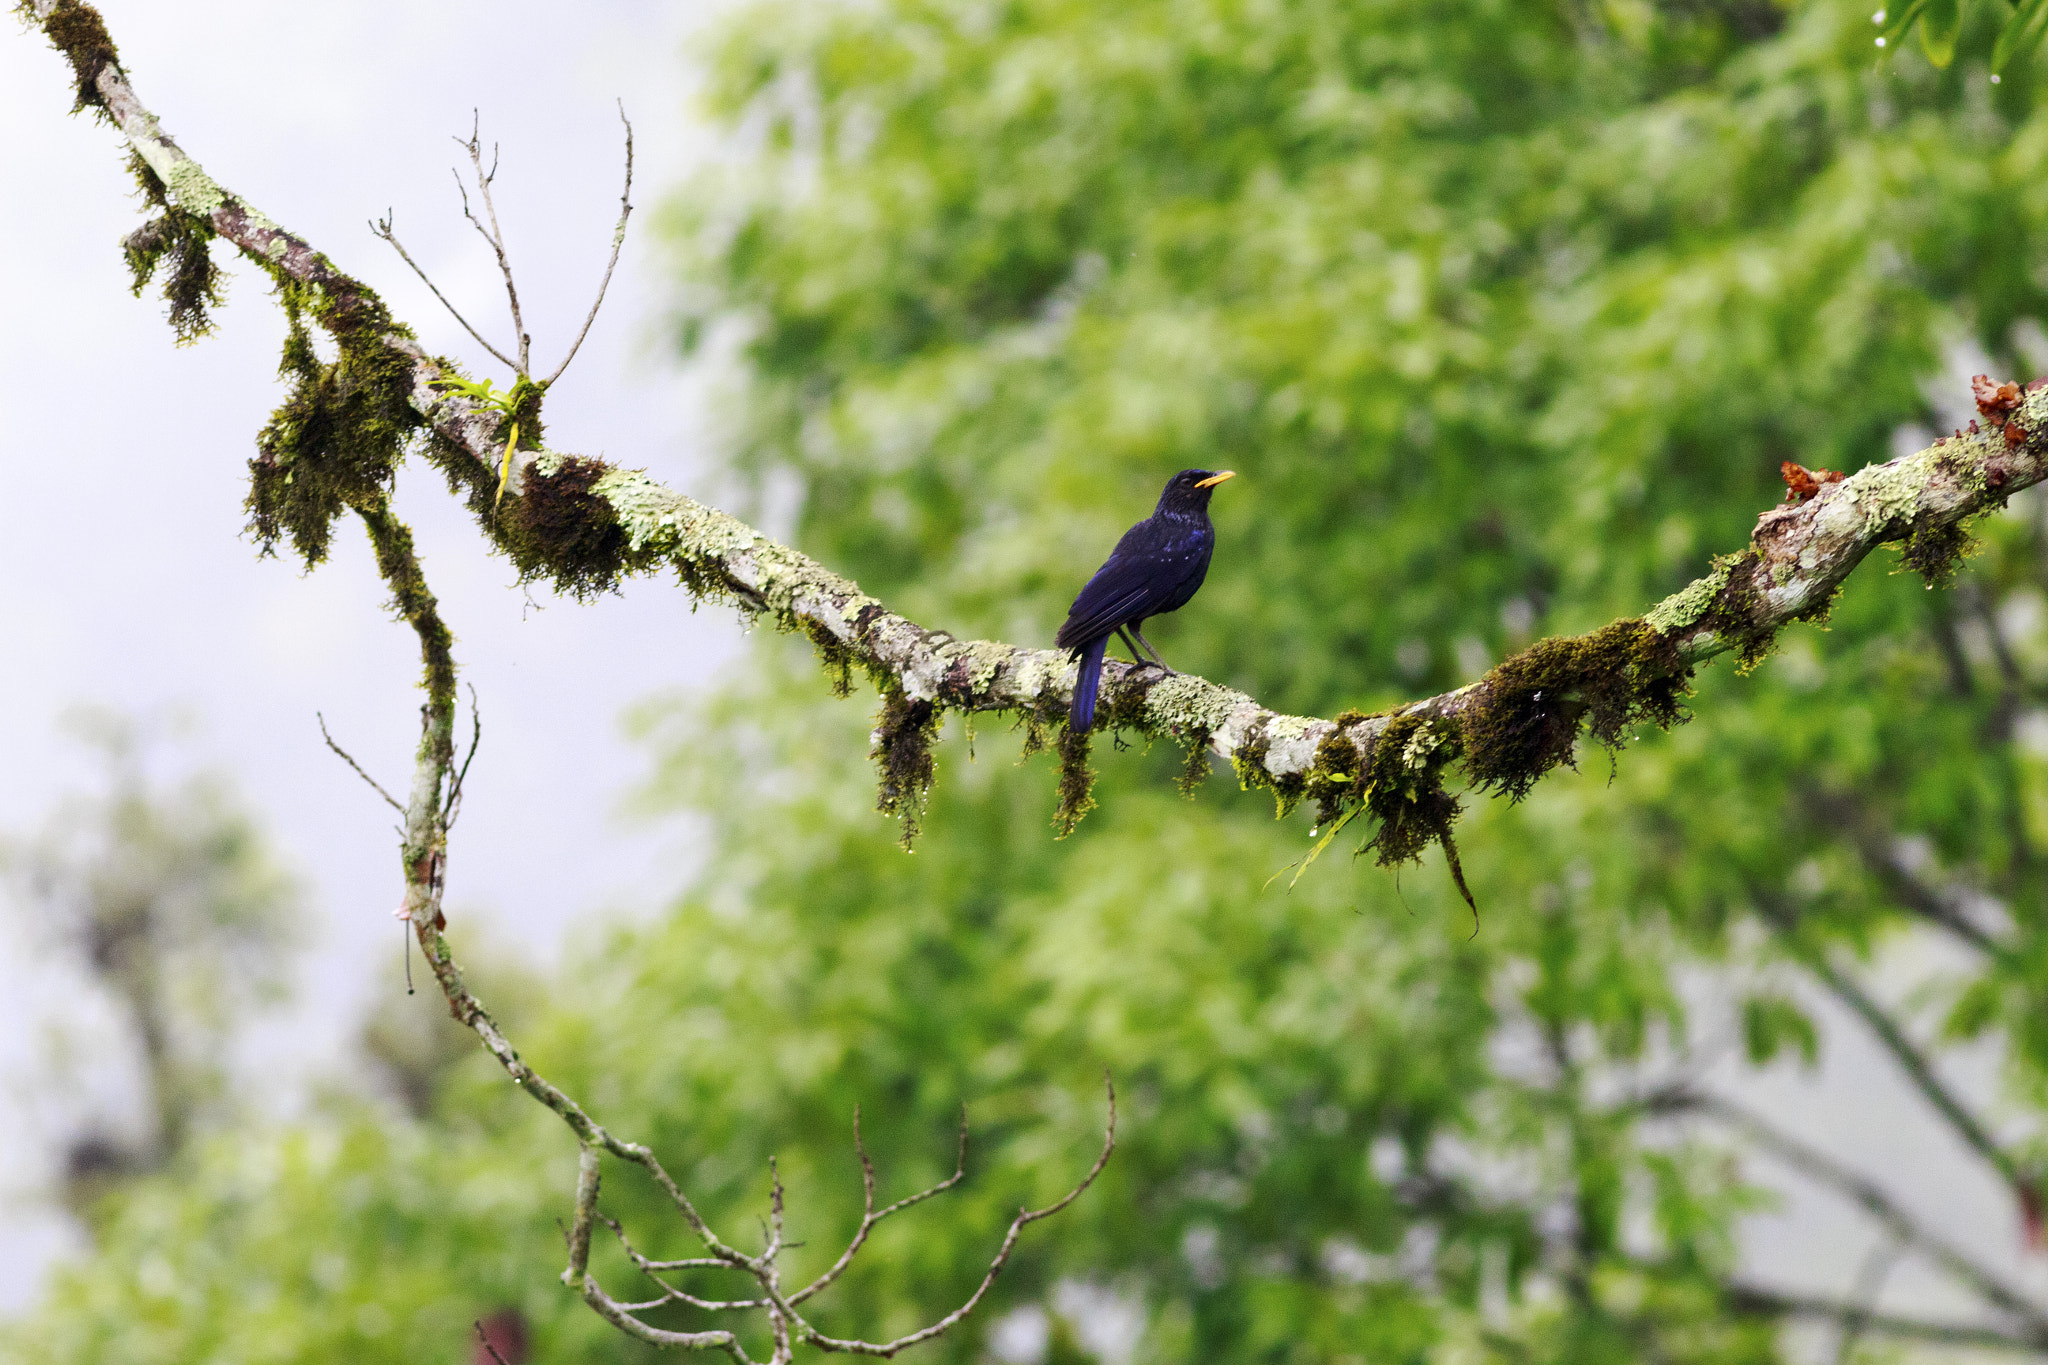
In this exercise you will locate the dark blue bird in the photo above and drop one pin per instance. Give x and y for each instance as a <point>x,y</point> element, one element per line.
<point>1156,568</point>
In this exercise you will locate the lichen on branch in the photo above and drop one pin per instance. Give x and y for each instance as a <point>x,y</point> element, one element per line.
<point>586,525</point>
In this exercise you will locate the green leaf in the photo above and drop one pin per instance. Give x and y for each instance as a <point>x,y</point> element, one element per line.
<point>1317,851</point>
<point>1897,21</point>
<point>1940,24</point>
<point>481,393</point>
<point>2020,36</point>
<point>1975,1010</point>
<point>1769,1022</point>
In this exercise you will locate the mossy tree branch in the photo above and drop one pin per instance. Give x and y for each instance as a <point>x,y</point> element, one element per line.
<point>585,524</point>
<point>427,815</point>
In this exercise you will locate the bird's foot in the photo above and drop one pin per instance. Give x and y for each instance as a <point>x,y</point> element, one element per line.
<point>1161,668</point>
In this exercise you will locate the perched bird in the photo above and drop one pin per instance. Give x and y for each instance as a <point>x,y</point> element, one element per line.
<point>1156,568</point>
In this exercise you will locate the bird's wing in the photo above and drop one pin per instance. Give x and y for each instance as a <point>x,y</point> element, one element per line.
<point>1128,587</point>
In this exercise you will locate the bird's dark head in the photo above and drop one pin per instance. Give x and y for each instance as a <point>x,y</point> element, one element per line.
<point>1188,491</point>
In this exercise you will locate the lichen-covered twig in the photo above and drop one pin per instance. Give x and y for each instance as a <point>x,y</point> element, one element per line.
<point>585,524</point>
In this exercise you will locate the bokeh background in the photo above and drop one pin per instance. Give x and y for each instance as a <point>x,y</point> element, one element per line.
<point>1506,314</point>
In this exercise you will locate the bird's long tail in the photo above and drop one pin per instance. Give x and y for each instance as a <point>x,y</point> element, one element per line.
<point>1087,682</point>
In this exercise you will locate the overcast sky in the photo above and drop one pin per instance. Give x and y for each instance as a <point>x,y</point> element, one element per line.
<point>129,584</point>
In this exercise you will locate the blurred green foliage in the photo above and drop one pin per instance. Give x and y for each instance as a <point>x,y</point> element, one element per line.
<point>1507,313</point>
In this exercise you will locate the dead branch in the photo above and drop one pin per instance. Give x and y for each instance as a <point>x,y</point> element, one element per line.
<point>495,235</point>
<point>870,1216</point>
<point>345,757</point>
<point>382,228</point>
<point>618,241</point>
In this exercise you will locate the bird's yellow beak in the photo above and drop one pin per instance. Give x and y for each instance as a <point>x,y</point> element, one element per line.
<point>1215,479</point>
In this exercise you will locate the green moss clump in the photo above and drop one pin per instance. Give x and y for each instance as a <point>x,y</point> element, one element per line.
<point>838,658</point>
<point>335,440</point>
<point>1077,781</point>
<point>1196,769</point>
<point>411,600</point>
<point>1935,552</point>
<point>81,35</point>
<point>1735,614</point>
<point>175,243</point>
<point>527,395</point>
<point>558,529</point>
<point>903,749</point>
<point>1404,789</point>
<point>1337,778</point>
<point>1526,715</point>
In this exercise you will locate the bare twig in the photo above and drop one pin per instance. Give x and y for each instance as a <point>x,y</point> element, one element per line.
<point>496,237</point>
<point>670,1294</point>
<point>772,1245</point>
<point>345,757</point>
<point>618,240</point>
<point>870,1215</point>
<point>453,806</point>
<point>382,228</point>
<point>1024,1218</point>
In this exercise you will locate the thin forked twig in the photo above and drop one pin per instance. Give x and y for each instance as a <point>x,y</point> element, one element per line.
<point>382,228</point>
<point>1024,1218</point>
<point>671,1294</point>
<point>452,807</point>
<point>494,235</point>
<point>870,1216</point>
<point>345,757</point>
<point>772,1246</point>
<point>618,240</point>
